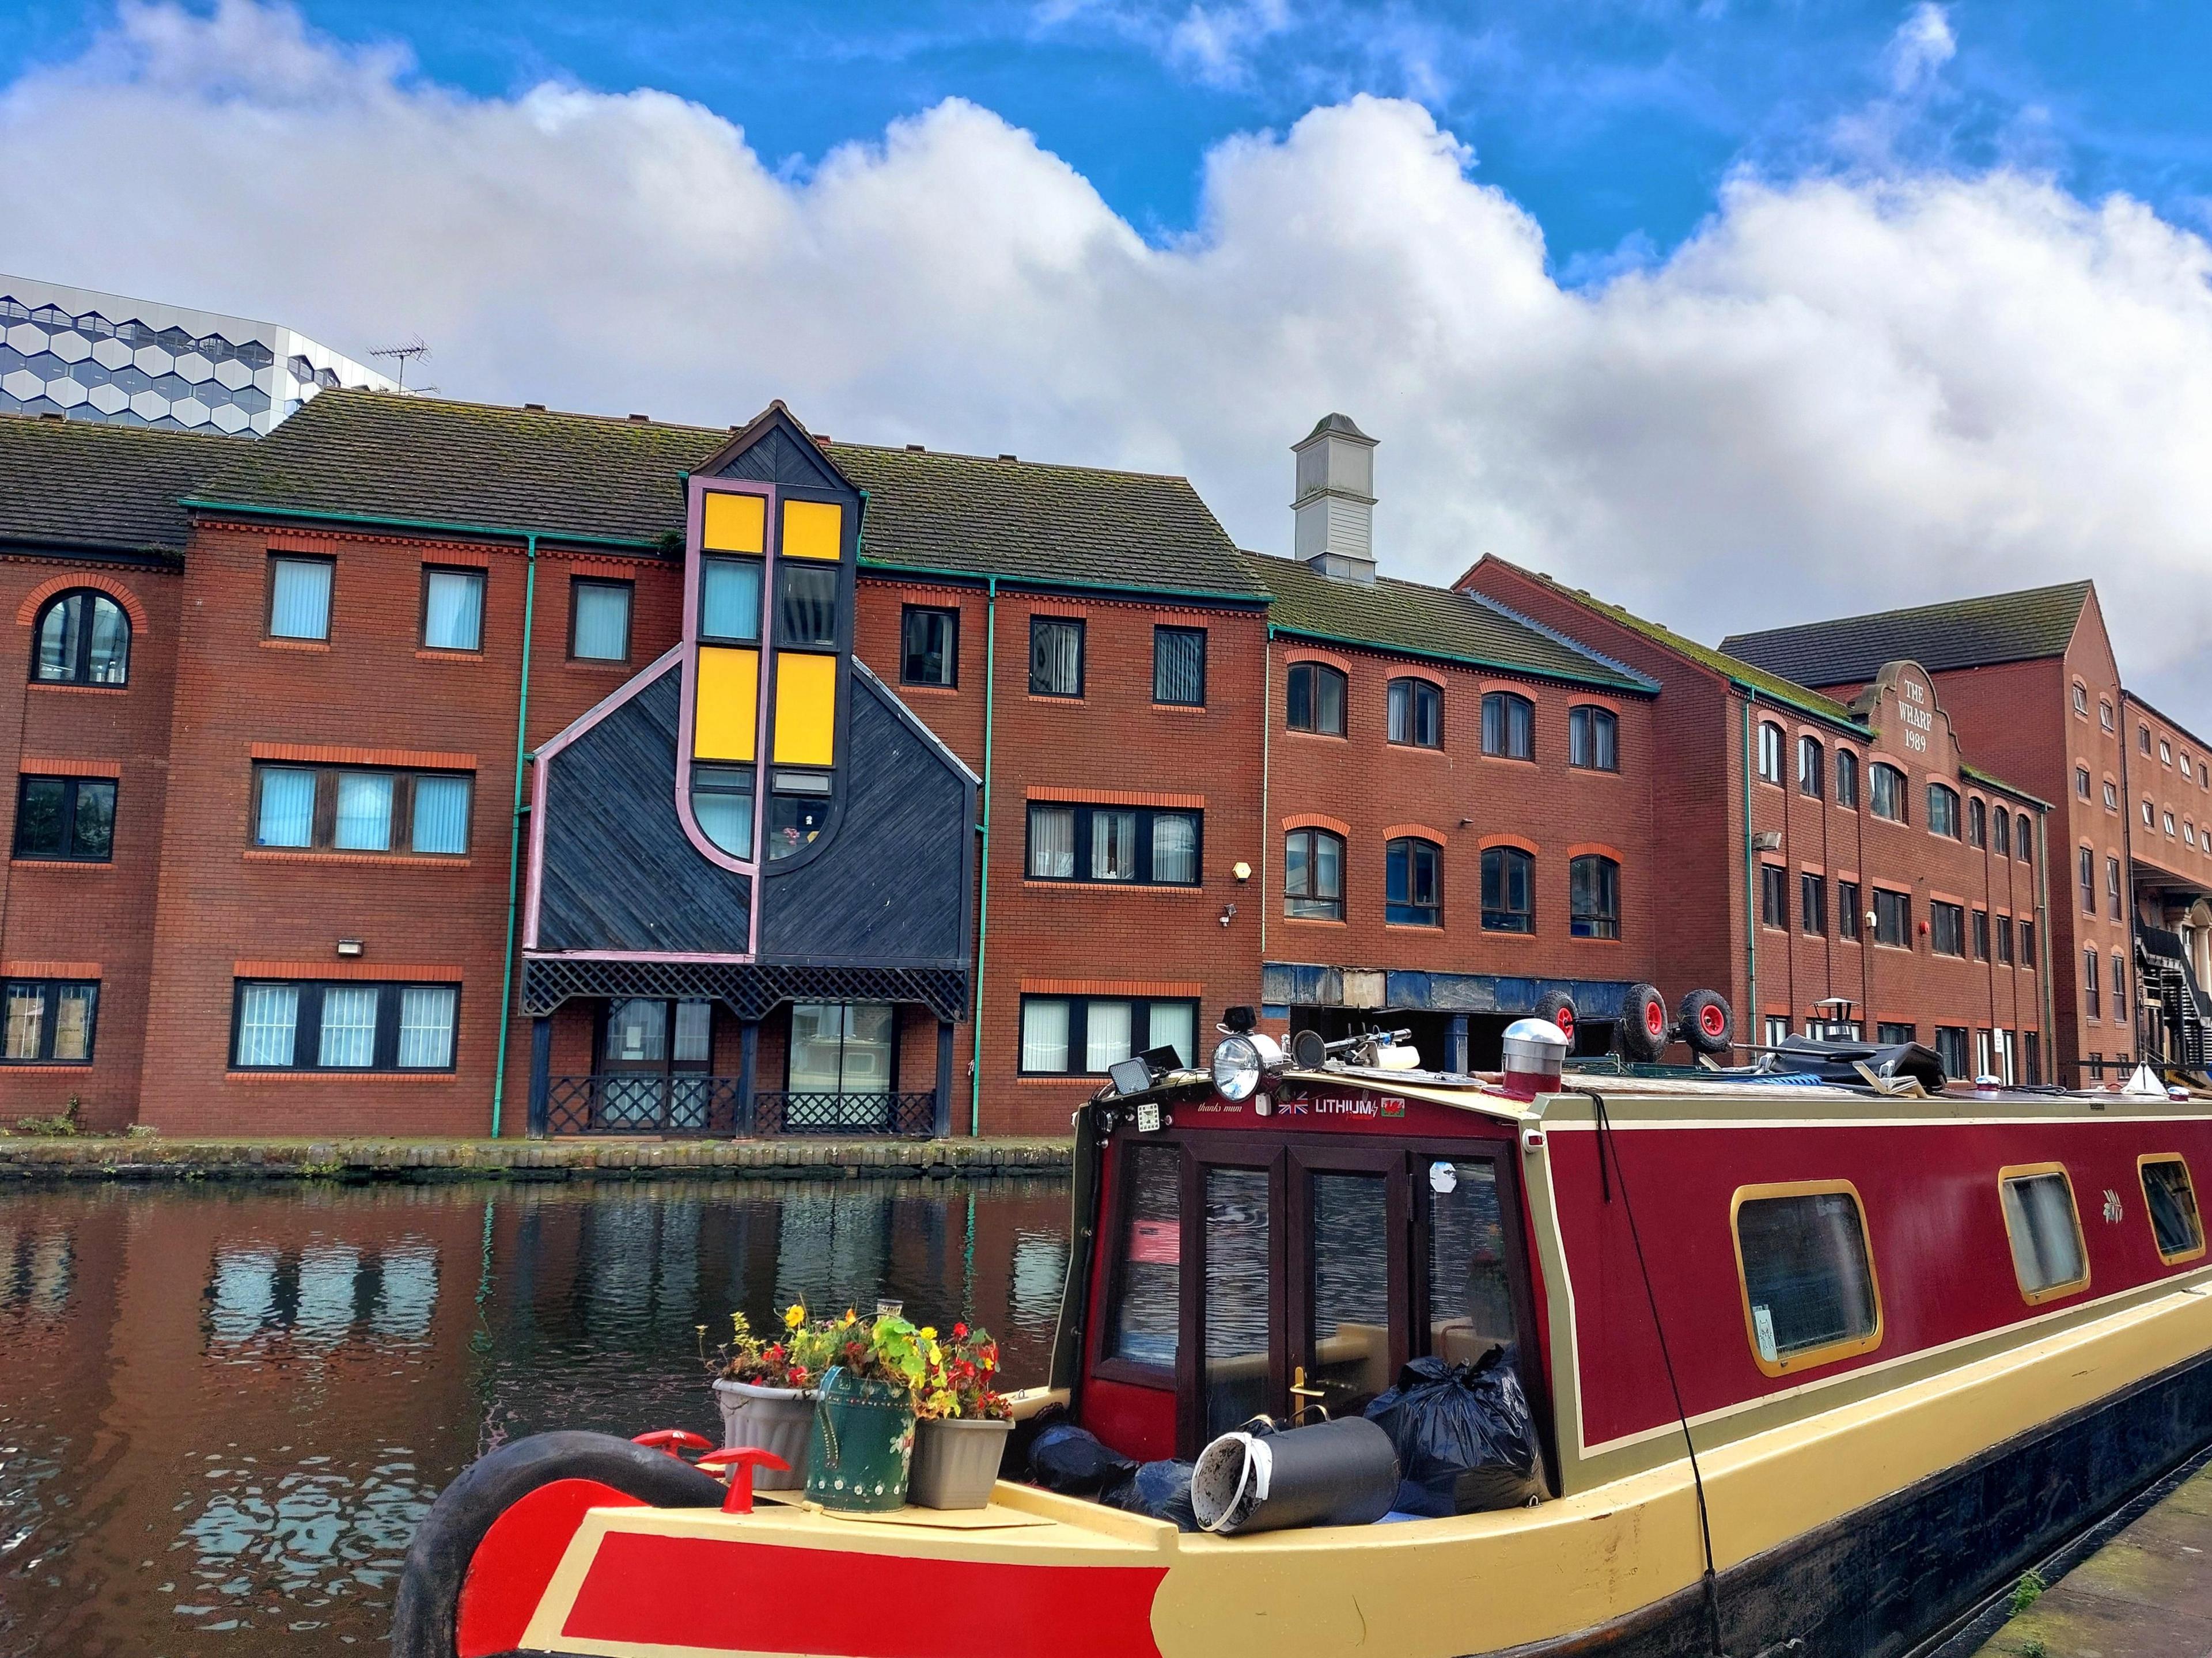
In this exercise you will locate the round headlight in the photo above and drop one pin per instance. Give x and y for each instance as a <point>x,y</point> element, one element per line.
<point>1236,1067</point>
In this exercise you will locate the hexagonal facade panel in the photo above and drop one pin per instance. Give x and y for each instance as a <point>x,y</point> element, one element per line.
<point>147,406</point>
<point>23,383</point>
<point>70,345</point>
<point>108,399</point>
<point>26,337</point>
<point>110,353</point>
<point>232,373</point>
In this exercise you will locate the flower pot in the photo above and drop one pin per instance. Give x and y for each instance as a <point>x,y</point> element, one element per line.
<point>777,1420</point>
<point>862,1444</point>
<point>955,1463</point>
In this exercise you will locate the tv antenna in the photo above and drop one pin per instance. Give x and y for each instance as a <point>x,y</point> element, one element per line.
<point>411,350</point>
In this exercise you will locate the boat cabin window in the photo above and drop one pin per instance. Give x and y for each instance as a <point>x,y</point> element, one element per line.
<point>1470,1295</point>
<point>1148,1297</point>
<point>2048,1256</point>
<point>2172,1200</point>
<point>1809,1295</point>
<point>1238,1254</point>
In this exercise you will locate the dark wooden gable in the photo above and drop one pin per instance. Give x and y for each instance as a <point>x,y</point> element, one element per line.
<point>774,448</point>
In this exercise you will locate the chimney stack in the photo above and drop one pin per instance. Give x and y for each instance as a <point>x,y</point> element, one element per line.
<point>1334,514</point>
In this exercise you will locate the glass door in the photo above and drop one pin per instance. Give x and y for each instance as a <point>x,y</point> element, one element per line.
<point>1347,1328</point>
<point>634,1064</point>
<point>1240,1374</point>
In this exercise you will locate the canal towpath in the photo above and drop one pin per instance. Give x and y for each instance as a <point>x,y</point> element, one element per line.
<point>159,1157</point>
<point>2146,1592</point>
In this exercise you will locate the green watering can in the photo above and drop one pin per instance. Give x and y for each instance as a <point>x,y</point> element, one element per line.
<point>862,1444</point>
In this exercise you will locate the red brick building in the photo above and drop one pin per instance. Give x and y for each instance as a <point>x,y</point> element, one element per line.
<point>2031,681</point>
<point>1831,860</point>
<point>479,769</point>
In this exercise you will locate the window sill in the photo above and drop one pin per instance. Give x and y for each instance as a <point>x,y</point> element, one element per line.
<point>1503,936</point>
<point>427,655</point>
<point>1585,939</point>
<point>294,644</point>
<point>1433,929</point>
<point>1435,749</point>
<point>309,855</point>
<point>1321,737</point>
<point>1029,1077</point>
<point>1314,920</point>
<point>1154,888</point>
<point>1178,707</point>
<point>62,863</point>
<point>1509,759</point>
<point>44,1067</point>
<point>578,664</point>
<point>907,688</point>
<point>1056,701</point>
<point>1595,771</point>
<point>341,1075</point>
<point>63,685</point>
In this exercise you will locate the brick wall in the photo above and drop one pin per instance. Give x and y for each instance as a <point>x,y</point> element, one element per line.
<point>87,919</point>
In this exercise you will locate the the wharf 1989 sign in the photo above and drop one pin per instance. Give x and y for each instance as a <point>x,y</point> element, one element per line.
<point>1912,703</point>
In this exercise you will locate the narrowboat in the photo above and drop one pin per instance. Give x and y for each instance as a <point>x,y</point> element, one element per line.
<point>1820,1356</point>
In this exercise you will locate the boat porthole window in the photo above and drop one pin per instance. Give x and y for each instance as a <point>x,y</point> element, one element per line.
<point>2171,1200</point>
<point>1807,1273</point>
<point>2049,1257</point>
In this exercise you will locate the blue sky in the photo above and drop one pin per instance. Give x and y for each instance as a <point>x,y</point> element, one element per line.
<point>1614,123</point>
<point>1737,314</point>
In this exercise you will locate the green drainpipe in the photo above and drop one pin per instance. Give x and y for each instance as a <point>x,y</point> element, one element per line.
<point>983,906</point>
<point>1750,884</point>
<point>515,838</point>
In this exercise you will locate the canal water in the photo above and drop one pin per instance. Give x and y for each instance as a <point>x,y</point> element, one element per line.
<point>223,1409</point>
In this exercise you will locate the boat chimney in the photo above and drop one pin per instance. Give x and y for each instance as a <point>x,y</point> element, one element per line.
<point>1333,517</point>
<point>1535,1055</point>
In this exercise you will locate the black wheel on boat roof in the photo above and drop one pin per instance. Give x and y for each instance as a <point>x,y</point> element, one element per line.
<point>1644,1028</point>
<point>1708,1023</point>
<point>1559,1008</point>
<point>426,1610</point>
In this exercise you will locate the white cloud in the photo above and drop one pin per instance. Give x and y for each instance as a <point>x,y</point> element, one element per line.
<point>1842,392</point>
<point>1923,43</point>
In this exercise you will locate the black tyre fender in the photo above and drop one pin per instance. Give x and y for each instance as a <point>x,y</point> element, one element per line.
<point>427,1604</point>
<point>1559,1008</point>
<point>1644,1030</point>
<point>1708,1022</point>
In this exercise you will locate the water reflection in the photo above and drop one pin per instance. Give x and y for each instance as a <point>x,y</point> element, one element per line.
<point>223,1412</point>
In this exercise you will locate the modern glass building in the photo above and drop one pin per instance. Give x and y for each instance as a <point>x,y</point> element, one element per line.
<point>85,356</point>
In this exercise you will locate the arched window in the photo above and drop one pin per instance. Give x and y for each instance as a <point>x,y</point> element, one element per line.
<point>1315,700</point>
<point>1769,752</point>
<point>1313,875</point>
<point>1810,779</point>
<point>1508,891</point>
<point>1943,810</point>
<point>1414,893</point>
<point>1977,823</point>
<point>1508,726</point>
<point>2004,833</point>
<point>1847,778</point>
<point>82,638</point>
<point>1594,896</point>
<point>1593,739</point>
<point>1416,713</point>
<point>1886,796</point>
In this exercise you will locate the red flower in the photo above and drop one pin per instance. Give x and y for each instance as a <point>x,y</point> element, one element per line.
<point>960,1332</point>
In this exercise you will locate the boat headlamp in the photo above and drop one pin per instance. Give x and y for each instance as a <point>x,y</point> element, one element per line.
<point>1242,1061</point>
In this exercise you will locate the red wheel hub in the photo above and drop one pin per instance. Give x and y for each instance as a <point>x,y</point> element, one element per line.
<point>1565,1021</point>
<point>1709,1019</point>
<point>1654,1019</point>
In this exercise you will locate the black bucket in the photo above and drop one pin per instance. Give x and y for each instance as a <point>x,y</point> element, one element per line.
<point>1334,1474</point>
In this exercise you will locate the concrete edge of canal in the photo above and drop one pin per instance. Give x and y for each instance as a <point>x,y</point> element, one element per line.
<point>369,1158</point>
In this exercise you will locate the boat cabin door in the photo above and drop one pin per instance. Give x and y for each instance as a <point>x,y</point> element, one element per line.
<point>1303,1290</point>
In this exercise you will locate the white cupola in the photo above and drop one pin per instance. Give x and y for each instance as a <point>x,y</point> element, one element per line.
<point>1334,511</point>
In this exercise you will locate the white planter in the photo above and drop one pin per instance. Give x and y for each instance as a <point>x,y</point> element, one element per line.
<point>778,1419</point>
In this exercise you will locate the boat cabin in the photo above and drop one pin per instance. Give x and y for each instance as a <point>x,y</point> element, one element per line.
<point>1768,1245</point>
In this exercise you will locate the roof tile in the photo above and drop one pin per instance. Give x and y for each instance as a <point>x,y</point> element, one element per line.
<point>1960,633</point>
<point>88,484</point>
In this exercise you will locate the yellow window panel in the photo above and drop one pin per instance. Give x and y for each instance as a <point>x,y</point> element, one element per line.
<point>733,523</point>
<point>805,708</point>
<point>813,529</point>
<point>726,711</point>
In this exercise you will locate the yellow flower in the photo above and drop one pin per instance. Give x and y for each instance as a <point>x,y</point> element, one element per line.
<point>935,1357</point>
<point>851,1317</point>
<point>794,1315</point>
<point>928,1334</point>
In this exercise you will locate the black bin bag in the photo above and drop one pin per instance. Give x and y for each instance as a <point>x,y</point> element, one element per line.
<point>1076,1462</point>
<point>1161,1489</point>
<point>1465,1438</point>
